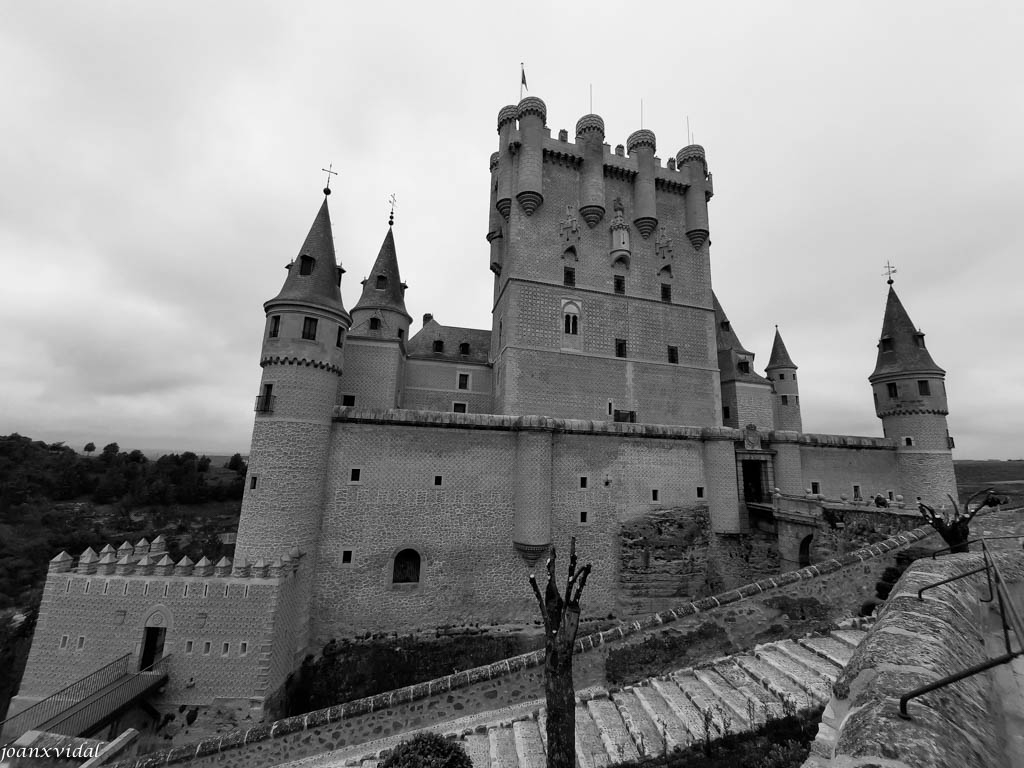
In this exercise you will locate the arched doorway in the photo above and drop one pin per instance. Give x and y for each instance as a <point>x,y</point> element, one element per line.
<point>407,567</point>
<point>153,636</point>
<point>805,551</point>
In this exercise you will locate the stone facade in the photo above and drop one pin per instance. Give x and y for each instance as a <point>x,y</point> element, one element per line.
<point>404,481</point>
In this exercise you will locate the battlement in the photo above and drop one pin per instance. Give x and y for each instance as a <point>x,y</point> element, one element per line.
<point>144,559</point>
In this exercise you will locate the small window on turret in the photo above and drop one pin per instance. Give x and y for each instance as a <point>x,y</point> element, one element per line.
<point>782,377</point>
<point>463,381</point>
<point>924,389</point>
<point>893,390</point>
<point>341,338</point>
<point>348,401</point>
<point>725,412</point>
<point>401,333</point>
<point>275,326</point>
<point>886,344</point>
<point>374,323</point>
<point>785,399</point>
<point>306,264</point>
<point>743,366</point>
<point>908,441</point>
<point>355,475</point>
<point>382,282</point>
<point>919,340</point>
<point>309,328</point>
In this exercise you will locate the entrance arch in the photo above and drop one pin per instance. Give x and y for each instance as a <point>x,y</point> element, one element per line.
<point>805,551</point>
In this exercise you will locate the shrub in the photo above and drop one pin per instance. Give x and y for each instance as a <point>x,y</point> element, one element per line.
<point>428,750</point>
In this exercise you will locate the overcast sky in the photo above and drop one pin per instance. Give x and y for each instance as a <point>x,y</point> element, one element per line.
<point>160,164</point>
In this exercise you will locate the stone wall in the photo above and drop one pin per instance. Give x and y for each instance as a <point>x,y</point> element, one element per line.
<point>520,678</point>
<point>433,385</point>
<point>915,643</point>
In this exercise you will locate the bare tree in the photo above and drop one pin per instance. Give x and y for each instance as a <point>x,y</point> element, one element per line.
<point>561,622</point>
<point>956,531</point>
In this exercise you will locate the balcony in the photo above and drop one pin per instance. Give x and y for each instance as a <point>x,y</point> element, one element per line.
<point>265,403</point>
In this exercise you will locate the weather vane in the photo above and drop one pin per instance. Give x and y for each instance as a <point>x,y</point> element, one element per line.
<point>329,172</point>
<point>890,270</point>
<point>391,217</point>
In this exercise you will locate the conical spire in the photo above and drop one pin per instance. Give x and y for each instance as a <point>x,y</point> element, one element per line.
<point>384,289</point>
<point>314,276</point>
<point>901,348</point>
<point>780,356</point>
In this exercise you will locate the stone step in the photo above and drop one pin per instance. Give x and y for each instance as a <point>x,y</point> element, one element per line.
<point>725,693</point>
<point>766,705</point>
<point>685,711</point>
<point>478,747</point>
<point>590,748</point>
<point>673,731</point>
<point>503,748</point>
<point>722,718</point>
<point>616,738</point>
<point>811,660</point>
<point>852,637</point>
<point>645,733</point>
<point>776,682</point>
<point>830,649</point>
<point>811,683</point>
<point>528,744</point>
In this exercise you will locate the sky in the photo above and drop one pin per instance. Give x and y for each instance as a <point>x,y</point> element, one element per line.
<point>161,163</point>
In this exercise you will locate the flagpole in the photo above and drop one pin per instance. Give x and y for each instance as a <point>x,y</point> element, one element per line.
<point>522,79</point>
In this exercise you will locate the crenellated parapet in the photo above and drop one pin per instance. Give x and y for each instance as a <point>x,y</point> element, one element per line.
<point>152,560</point>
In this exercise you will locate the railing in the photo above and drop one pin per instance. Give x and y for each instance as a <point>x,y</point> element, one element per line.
<point>70,710</point>
<point>1007,612</point>
<point>265,403</point>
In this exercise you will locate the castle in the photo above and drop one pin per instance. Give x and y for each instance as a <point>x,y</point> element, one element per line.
<point>404,480</point>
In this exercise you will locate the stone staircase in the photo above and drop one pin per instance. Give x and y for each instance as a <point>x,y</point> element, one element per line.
<point>730,695</point>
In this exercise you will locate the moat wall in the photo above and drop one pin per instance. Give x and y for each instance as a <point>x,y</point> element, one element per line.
<point>840,583</point>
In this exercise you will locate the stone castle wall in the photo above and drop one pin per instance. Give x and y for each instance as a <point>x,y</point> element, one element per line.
<point>837,469</point>
<point>432,385</point>
<point>371,373</point>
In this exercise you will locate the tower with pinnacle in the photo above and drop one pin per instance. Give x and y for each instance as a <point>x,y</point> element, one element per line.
<point>781,371</point>
<point>910,398</point>
<point>301,358</point>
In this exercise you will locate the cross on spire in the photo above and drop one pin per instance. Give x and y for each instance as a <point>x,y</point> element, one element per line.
<point>328,170</point>
<point>391,217</point>
<point>890,270</point>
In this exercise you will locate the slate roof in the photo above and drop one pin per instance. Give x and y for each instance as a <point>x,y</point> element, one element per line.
<point>422,344</point>
<point>906,353</point>
<point>780,355</point>
<point>392,295</point>
<point>321,286</point>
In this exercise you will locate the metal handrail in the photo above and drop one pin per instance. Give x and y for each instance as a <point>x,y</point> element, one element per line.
<point>69,695</point>
<point>974,541</point>
<point>1007,610</point>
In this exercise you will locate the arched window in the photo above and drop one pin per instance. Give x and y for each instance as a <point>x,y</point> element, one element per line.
<point>407,567</point>
<point>571,319</point>
<point>306,264</point>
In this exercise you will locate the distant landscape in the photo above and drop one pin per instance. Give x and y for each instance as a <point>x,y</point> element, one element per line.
<point>54,497</point>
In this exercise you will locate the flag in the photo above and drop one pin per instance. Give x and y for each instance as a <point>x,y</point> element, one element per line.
<point>523,69</point>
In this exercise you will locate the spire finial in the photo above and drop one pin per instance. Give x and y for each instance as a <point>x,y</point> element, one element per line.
<point>890,270</point>
<point>329,172</point>
<point>391,217</point>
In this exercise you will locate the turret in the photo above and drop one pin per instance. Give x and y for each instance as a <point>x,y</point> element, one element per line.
<point>746,396</point>
<point>781,372</point>
<point>508,137</point>
<point>302,362</point>
<point>532,114</point>
<point>642,145</point>
<point>590,138</point>
<point>699,190</point>
<point>380,311</point>
<point>496,224</point>
<point>910,398</point>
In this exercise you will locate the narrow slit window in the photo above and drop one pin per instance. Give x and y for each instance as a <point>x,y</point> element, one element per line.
<point>666,292</point>
<point>673,355</point>
<point>620,284</point>
<point>583,515</point>
<point>620,347</point>
<point>275,326</point>
<point>700,491</point>
<point>569,276</point>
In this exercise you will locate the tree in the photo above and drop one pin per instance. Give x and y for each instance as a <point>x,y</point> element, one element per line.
<point>89,447</point>
<point>956,531</point>
<point>561,622</point>
<point>236,464</point>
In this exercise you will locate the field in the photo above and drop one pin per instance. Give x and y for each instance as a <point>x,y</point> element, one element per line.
<point>1005,477</point>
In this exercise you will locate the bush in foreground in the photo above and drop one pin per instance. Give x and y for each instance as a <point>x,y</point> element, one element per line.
<point>428,750</point>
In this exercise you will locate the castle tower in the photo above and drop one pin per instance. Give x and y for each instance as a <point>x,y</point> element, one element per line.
<point>781,372</point>
<point>910,399</point>
<point>602,293</point>
<point>302,362</point>
<point>380,312</point>
<point>746,396</point>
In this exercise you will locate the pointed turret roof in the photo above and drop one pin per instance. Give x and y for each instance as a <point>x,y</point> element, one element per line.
<point>780,356</point>
<point>726,336</point>
<point>389,292</point>
<point>901,347</point>
<point>320,286</point>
